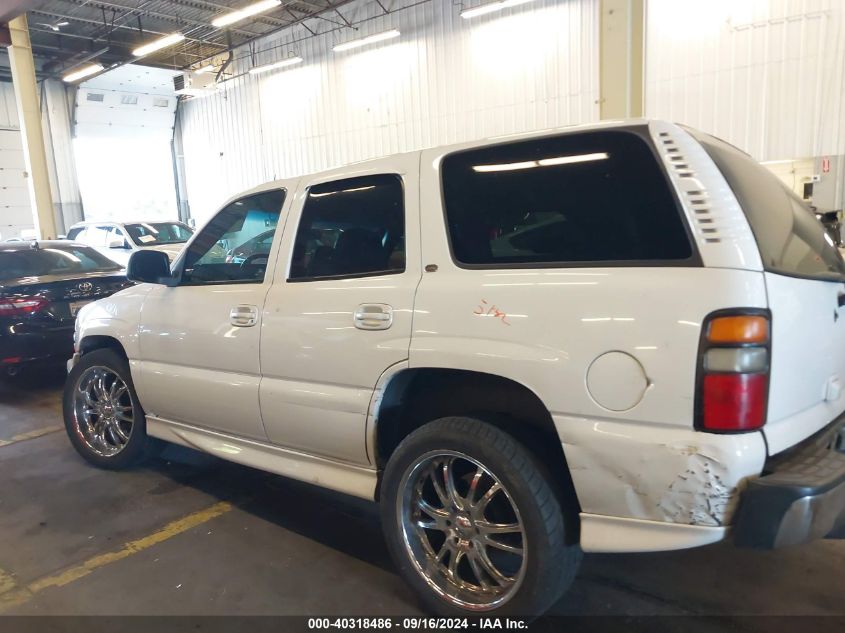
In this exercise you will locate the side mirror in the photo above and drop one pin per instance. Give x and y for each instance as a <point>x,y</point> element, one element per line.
<point>117,243</point>
<point>149,267</point>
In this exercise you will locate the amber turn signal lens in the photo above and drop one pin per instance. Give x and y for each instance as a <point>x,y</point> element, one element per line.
<point>739,329</point>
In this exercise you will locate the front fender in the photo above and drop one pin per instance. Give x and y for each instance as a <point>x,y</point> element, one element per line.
<point>117,317</point>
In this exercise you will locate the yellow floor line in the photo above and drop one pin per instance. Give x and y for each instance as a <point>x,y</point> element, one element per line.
<point>7,583</point>
<point>31,435</point>
<point>15,596</point>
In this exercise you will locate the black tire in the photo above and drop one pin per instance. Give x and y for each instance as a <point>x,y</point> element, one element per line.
<point>549,564</point>
<point>138,446</point>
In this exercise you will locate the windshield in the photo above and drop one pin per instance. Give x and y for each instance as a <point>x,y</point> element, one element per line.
<point>70,260</point>
<point>158,233</point>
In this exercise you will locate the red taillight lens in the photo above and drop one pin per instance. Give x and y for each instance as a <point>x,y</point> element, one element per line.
<point>20,306</point>
<point>734,361</point>
<point>734,402</point>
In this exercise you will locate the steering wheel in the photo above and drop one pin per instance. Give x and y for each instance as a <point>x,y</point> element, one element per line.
<point>252,258</point>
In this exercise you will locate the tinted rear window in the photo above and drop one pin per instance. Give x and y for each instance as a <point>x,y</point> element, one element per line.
<point>790,238</point>
<point>53,261</point>
<point>597,197</point>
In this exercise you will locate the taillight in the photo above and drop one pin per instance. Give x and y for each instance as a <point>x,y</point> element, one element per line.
<point>733,371</point>
<point>21,306</point>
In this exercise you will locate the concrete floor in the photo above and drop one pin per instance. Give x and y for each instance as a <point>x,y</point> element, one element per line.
<point>283,547</point>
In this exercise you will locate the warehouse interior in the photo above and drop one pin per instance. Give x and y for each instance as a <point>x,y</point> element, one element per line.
<point>166,111</point>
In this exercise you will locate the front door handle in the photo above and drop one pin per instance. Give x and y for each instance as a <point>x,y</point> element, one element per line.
<point>243,316</point>
<point>373,316</point>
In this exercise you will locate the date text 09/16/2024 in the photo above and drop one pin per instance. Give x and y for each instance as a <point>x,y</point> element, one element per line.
<point>417,624</point>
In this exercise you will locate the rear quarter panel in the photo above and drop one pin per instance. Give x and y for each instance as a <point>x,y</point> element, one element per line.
<point>548,325</point>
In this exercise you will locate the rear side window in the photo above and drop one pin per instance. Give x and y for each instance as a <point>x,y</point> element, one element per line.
<point>74,233</point>
<point>790,239</point>
<point>595,198</point>
<point>351,228</point>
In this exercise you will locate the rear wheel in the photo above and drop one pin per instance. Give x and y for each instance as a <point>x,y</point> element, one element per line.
<point>473,524</point>
<point>103,418</point>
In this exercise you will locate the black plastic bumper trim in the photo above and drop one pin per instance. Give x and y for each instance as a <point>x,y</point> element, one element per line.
<point>801,496</point>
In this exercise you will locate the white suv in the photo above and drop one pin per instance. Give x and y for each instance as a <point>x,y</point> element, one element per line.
<point>612,338</point>
<point>118,240</point>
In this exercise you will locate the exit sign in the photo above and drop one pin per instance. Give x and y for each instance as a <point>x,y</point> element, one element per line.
<point>826,165</point>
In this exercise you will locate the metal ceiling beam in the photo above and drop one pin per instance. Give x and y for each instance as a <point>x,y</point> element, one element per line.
<point>214,6</point>
<point>164,16</point>
<point>302,19</point>
<point>101,38</point>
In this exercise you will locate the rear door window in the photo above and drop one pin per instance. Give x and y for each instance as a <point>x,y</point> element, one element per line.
<point>597,198</point>
<point>790,238</point>
<point>351,228</point>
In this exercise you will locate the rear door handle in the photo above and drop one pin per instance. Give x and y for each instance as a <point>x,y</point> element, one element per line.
<point>243,316</point>
<point>373,316</point>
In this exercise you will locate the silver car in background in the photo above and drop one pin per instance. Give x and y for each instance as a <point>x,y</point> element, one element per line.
<point>118,240</point>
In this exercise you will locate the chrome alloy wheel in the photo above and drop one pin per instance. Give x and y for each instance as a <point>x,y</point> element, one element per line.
<point>462,530</point>
<point>102,411</point>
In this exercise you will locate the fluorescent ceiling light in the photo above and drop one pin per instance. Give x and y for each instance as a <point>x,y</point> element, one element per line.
<point>378,37</point>
<point>236,16</point>
<point>491,7</point>
<point>83,72</point>
<point>290,61</point>
<point>543,162</point>
<point>209,68</point>
<point>157,45</point>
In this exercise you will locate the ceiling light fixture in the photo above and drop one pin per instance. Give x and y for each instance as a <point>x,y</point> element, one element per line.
<point>205,69</point>
<point>371,39</point>
<point>236,16</point>
<point>157,45</point>
<point>490,7</point>
<point>86,71</point>
<point>290,61</point>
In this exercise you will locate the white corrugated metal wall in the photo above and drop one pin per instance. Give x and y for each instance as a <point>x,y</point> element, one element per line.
<point>56,118</point>
<point>8,109</point>
<point>766,75</point>
<point>16,217</point>
<point>15,213</point>
<point>444,80</point>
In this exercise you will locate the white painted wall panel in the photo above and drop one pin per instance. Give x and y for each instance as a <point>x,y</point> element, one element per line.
<point>766,75</point>
<point>57,105</point>
<point>8,109</point>
<point>15,214</point>
<point>444,80</point>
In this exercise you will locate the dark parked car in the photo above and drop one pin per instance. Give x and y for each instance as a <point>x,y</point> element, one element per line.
<point>42,287</point>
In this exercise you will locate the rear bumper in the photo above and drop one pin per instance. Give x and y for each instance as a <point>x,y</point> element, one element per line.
<point>800,497</point>
<point>45,345</point>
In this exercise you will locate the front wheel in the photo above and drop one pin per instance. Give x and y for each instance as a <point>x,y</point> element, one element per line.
<point>472,523</point>
<point>103,418</point>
